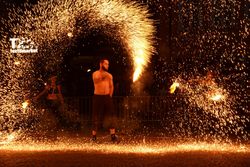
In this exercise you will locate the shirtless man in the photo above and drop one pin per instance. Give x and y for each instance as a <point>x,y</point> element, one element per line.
<point>102,99</point>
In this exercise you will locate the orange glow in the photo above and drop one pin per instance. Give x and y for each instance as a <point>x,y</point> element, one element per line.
<point>25,104</point>
<point>138,148</point>
<point>217,97</point>
<point>137,73</point>
<point>6,139</point>
<point>70,34</point>
<point>173,87</point>
<point>17,62</point>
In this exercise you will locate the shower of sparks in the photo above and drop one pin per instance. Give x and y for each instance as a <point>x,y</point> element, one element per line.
<point>200,92</point>
<point>134,148</point>
<point>49,23</point>
<point>206,35</point>
<point>216,101</point>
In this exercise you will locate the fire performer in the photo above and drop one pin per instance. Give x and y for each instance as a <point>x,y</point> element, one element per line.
<point>54,98</point>
<point>103,110</point>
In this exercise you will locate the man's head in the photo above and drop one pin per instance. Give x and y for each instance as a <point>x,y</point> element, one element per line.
<point>104,64</point>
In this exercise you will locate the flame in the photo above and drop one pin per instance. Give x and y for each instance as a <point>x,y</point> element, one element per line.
<point>137,73</point>
<point>173,87</point>
<point>139,61</point>
<point>141,55</point>
<point>25,104</point>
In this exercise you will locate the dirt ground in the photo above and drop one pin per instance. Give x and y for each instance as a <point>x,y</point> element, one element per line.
<point>78,158</point>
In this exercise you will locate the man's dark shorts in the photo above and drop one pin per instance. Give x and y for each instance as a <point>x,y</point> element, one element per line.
<point>103,114</point>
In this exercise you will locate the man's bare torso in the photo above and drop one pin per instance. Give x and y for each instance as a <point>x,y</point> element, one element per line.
<point>102,83</point>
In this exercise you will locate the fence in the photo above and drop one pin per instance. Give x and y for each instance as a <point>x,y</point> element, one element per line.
<point>133,108</point>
